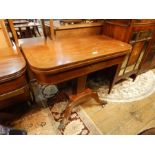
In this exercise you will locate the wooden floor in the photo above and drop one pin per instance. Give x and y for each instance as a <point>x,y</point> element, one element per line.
<point>122,118</point>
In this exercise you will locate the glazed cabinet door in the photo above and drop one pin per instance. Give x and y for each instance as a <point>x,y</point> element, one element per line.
<point>149,59</point>
<point>140,42</point>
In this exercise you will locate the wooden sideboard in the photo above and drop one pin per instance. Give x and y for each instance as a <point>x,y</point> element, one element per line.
<point>140,34</point>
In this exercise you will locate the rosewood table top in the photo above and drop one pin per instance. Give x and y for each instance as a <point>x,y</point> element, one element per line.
<point>62,54</point>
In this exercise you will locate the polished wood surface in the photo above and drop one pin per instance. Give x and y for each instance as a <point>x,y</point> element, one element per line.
<point>52,30</point>
<point>64,59</point>
<point>75,100</point>
<point>12,64</point>
<point>73,28</point>
<point>3,42</point>
<point>4,32</point>
<point>78,32</point>
<point>59,54</point>
<point>10,21</point>
<point>13,84</point>
<point>44,28</point>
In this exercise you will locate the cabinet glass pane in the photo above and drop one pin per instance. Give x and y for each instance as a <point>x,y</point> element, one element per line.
<point>136,50</point>
<point>129,68</point>
<point>125,61</point>
<point>121,72</point>
<point>141,55</point>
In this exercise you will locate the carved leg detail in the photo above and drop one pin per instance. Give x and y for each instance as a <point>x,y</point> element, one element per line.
<point>76,100</point>
<point>95,97</point>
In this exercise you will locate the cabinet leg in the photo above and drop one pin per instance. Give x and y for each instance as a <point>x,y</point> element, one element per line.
<point>134,77</point>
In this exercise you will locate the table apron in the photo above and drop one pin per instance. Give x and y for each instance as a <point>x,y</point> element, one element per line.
<point>76,72</point>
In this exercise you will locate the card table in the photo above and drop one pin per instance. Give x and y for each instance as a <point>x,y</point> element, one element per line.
<point>59,60</point>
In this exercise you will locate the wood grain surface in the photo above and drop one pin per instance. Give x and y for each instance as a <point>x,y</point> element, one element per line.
<point>49,54</point>
<point>12,64</point>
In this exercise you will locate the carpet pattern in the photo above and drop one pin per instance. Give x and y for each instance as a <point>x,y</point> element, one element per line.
<point>79,123</point>
<point>128,90</point>
<point>45,121</point>
<point>125,91</point>
<point>37,122</point>
<point>75,124</point>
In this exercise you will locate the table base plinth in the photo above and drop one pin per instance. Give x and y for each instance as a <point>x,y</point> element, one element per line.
<point>75,100</point>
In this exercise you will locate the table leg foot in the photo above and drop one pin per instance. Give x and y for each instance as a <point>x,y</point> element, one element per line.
<point>76,100</point>
<point>61,126</point>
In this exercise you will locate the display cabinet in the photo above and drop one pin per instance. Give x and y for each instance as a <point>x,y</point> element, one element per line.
<point>149,58</point>
<point>139,33</point>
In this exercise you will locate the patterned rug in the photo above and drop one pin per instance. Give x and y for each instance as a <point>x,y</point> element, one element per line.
<point>126,91</point>
<point>37,122</point>
<point>45,121</point>
<point>79,122</point>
